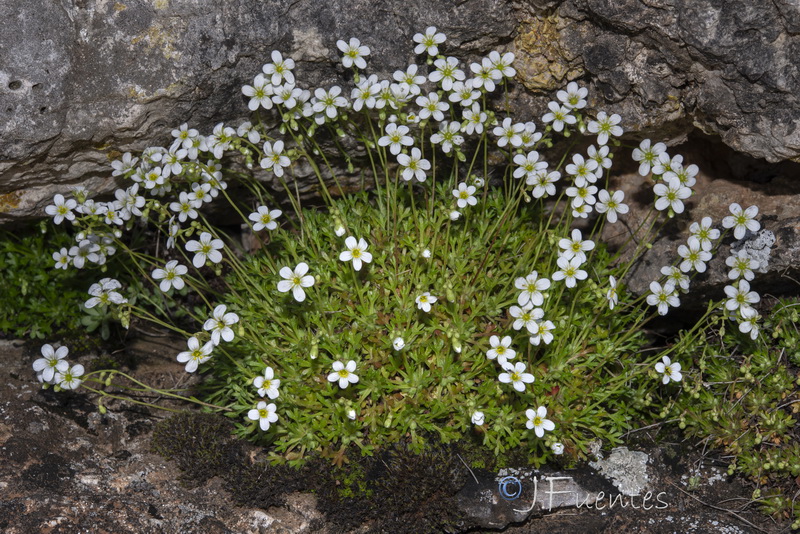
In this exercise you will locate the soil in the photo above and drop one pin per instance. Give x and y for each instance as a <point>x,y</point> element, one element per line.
<point>67,468</point>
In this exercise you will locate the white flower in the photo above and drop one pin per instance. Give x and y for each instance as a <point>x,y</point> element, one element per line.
<point>749,322</point>
<point>414,166</point>
<point>704,233</point>
<point>454,215</point>
<point>398,343</point>
<point>260,93</point>
<point>664,164</point>
<point>220,324</point>
<point>448,136</point>
<point>605,126</point>
<point>559,116</point>
<point>741,220</point>
<point>200,193</point>
<point>741,264</point>
<point>500,349</point>
<point>544,334</point>
<point>207,248</point>
<point>274,159</point>
<point>365,92</point>
<point>532,287</point>
<point>526,316</point>
<point>515,374</point>
<point>574,97</point>
<point>447,72</point>
<point>263,217</point>
<point>351,414</point>
<point>61,209</point>
<point>196,354</point>
<point>263,413</point>
<point>396,138</point>
<point>663,297</point>
<point>267,384</point>
<point>246,129</point>
<point>343,373</point>
<point>465,195</point>
<point>478,418</point>
<point>464,93</point>
<point>582,211</point>
<point>103,293</point>
<point>529,166</point>
<point>576,247</point>
<point>694,257</point>
<point>280,69</point>
<point>170,276</point>
<point>647,155</point>
<point>409,80</point>
<point>69,379</point>
<point>431,106</point>
<point>424,301</point>
<point>426,253</point>
<point>356,251</point>
<point>671,194</point>
<point>288,95</point>
<point>740,297</point>
<point>671,371</point>
<point>51,362</point>
<point>339,231</point>
<point>353,53</point>
<point>295,281</point>
<point>611,204</point>
<point>583,170</point>
<point>62,258</point>
<point>173,229</point>
<point>485,74</point>
<point>582,196</point>
<point>611,295</point>
<point>127,163</point>
<point>538,422</point>
<point>686,176</point>
<point>557,448</point>
<point>676,276</point>
<point>185,207</point>
<point>544,183</point>
<point>329,102</point>
<point>502,64</point>
<point>429,41</point>
<point>599,156</point>
<point>570,270</point>
<point>475,118</point>
<point>509,133</point>
<point>530,136</point>
<point>130,201</point>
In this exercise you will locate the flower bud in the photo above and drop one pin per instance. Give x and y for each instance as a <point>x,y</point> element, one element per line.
<point>478,418</point>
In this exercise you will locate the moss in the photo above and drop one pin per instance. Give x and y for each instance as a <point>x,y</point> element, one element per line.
<point>201,444</point>
<point>398,490</point>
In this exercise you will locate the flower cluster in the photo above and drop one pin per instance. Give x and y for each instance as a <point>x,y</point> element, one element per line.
<point>53,368</point>
<point>481,263</point>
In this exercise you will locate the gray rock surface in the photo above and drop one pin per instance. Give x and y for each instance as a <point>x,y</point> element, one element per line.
<point>81,82</point>
<point>726,67</point>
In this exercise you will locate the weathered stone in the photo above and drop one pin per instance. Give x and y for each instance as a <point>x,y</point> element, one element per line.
<point>626,469</point>
<point>513,495</point>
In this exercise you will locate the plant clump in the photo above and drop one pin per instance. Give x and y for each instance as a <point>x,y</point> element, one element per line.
<point>465,295</point>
